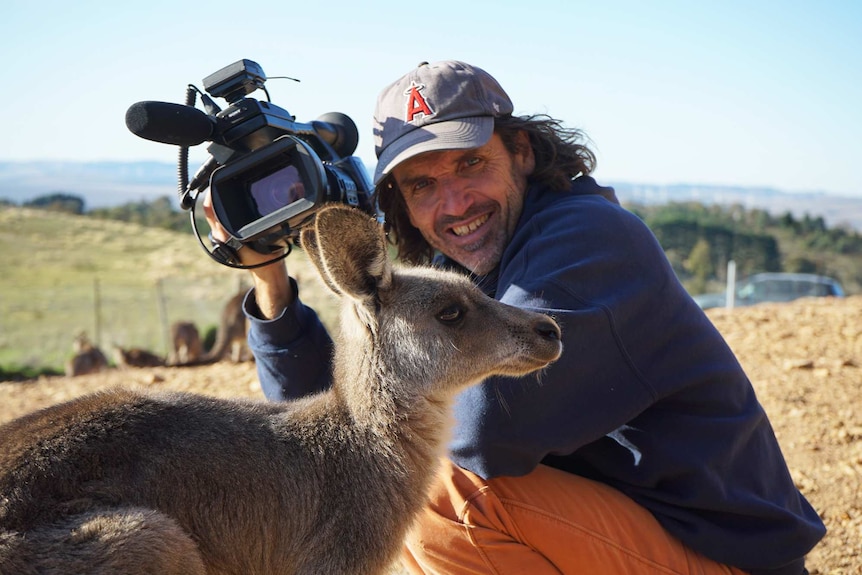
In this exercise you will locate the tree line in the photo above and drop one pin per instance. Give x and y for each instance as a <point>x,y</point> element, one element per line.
<point>699,239</point>
<point>157,213</point>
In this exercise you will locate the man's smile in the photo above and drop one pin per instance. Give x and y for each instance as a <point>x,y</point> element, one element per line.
<point>470,227</point>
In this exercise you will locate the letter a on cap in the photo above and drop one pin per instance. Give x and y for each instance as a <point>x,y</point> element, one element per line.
<point>416,103</point>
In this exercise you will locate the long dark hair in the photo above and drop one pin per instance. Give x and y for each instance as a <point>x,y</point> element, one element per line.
<point>560,153</point>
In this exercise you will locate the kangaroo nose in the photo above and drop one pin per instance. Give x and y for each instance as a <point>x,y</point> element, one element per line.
<point>547,329</point>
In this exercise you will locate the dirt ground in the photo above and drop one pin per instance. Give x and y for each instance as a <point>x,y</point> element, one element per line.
<point>804,359</point>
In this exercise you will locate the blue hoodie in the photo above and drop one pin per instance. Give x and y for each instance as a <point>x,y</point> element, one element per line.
<point>647,397</point>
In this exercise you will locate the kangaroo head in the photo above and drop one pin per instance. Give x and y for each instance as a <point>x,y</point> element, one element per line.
<point>427,332</point>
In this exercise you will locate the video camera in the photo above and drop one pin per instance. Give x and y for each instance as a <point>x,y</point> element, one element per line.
<point>267,174</point>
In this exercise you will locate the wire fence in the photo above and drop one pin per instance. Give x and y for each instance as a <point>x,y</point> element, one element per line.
<point>39,324</point>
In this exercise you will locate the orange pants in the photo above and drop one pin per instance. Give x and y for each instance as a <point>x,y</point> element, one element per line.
<point>546,523</point>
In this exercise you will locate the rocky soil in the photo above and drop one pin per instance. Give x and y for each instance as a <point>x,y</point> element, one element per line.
<point>804,359</point>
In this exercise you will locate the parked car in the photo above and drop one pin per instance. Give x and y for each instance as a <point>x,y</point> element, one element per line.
<point>774,287</point>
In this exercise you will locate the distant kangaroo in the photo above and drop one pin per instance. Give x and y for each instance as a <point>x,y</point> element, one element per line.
<point>121,482</point>
<point>231,335</point>
<point>87,359</point>
<point>186,343</point>
<point>136,357</point>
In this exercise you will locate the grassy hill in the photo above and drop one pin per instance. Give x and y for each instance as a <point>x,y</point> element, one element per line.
<point>124,283</point>
<point>121,283</point>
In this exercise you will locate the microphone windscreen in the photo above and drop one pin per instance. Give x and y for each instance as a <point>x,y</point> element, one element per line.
<point>169,123</point>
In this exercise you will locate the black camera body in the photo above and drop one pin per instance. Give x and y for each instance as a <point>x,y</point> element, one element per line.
<point>267,174</point>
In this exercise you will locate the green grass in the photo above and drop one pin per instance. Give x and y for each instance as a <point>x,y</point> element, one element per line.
<point>121,283</point>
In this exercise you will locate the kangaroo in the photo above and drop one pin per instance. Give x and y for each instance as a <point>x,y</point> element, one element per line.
<point>231,335</point>
<point>87,359</point>
<point>136,357</point>
<point>125,482</point>
<point>186,342</point>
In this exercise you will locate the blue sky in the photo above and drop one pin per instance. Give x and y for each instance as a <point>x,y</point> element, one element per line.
<point>748,93</point>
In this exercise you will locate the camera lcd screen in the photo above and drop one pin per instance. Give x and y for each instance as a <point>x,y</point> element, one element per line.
<point>278,186</point>
<point>279,189</point>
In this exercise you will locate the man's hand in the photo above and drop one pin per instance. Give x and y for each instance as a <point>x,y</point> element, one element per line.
<point>273,291</point>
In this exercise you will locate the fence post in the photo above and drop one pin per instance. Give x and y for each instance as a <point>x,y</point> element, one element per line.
<point>97,312</point>
<point>730,298</point>
<point>163,316</point>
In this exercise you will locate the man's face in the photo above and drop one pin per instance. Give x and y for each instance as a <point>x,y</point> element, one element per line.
<point>466,203</point>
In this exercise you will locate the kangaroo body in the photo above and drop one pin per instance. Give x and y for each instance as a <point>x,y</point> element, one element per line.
<point>230,339</point>
<point>136,357</point>
<point>186,342</point>
<point>87,358</point>
<point>124,482</point>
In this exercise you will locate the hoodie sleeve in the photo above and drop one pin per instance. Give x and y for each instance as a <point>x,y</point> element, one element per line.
<point>293,352</point>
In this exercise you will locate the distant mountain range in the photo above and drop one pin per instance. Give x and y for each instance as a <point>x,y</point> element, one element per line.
<point>106,184</point>
<point>836,210</point>
<point>101,184</point>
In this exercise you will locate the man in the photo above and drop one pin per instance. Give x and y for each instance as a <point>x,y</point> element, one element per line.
<point>644,448</point>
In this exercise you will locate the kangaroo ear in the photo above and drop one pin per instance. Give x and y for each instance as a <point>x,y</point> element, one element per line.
<point>308,242</point>
<point>350,251</point>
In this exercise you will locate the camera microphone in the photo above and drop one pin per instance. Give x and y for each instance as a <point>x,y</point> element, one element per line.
<point>169,123</point>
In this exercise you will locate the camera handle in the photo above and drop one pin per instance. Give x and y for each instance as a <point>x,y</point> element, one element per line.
<point>226,253</point>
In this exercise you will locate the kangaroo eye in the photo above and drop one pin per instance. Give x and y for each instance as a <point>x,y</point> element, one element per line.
<point>451,314</point>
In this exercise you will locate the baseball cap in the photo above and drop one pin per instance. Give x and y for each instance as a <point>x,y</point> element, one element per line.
<point>441,106</point>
